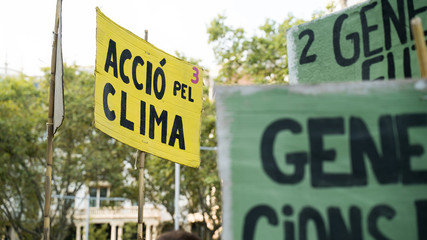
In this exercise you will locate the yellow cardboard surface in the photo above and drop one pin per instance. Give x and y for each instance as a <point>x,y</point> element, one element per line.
<point>145,97</point>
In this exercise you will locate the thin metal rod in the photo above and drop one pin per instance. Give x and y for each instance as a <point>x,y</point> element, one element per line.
<point>208,148</point>
<point>49,149</point>
<point>87,217</point>
<point>420,44</point>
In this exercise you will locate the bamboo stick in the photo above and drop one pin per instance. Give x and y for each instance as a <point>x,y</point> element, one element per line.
<point>49,149</point>
<point>420,44</point>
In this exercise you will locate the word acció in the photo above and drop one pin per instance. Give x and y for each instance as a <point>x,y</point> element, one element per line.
<point>154,83</point>
<point>151,81</point>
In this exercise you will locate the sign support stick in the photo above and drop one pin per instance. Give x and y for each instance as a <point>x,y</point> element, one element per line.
<point>49,149</point>
<point>420,44</point>
<point>177,186</point>
<point>141,186</point>
<point>141,190</point>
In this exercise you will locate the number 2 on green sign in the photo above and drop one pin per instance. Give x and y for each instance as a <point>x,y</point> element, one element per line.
<point>195,75</point>
<point>304,57</point>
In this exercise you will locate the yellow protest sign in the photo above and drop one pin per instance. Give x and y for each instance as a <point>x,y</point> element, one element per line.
<point>145,97</point>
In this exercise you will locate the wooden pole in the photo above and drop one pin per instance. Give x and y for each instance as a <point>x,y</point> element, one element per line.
<point>141,185</point>
<point>177,186</point>
<point>49,149</point>
<point>141,157</point>
<point>420,44</point>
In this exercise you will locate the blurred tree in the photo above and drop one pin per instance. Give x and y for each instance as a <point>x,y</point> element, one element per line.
<point>261,58</point>
<point>130,231</point>
<point>21,156</point>
<point>202,187</point>
<point>81,154</point>
<point>99,231</point>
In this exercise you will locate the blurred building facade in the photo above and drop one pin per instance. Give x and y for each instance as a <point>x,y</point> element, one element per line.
<point>93,206</point>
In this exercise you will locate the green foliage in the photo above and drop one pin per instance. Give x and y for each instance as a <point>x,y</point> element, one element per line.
<point>260,58</point>
<point>22,127</point>
<point>81,153</point>
<point>160,182</point>
<point>130,231</point>
<point>92,155</point>
<point>328,9</point>
<point>202,187</point>
<point>229,48</point>
<point>99,231</point>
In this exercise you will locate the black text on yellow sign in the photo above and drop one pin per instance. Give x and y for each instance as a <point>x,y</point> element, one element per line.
<point>145,97</point>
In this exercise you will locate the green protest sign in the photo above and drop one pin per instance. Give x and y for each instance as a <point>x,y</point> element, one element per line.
<point>330,161</point>
<point>368,41</point>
